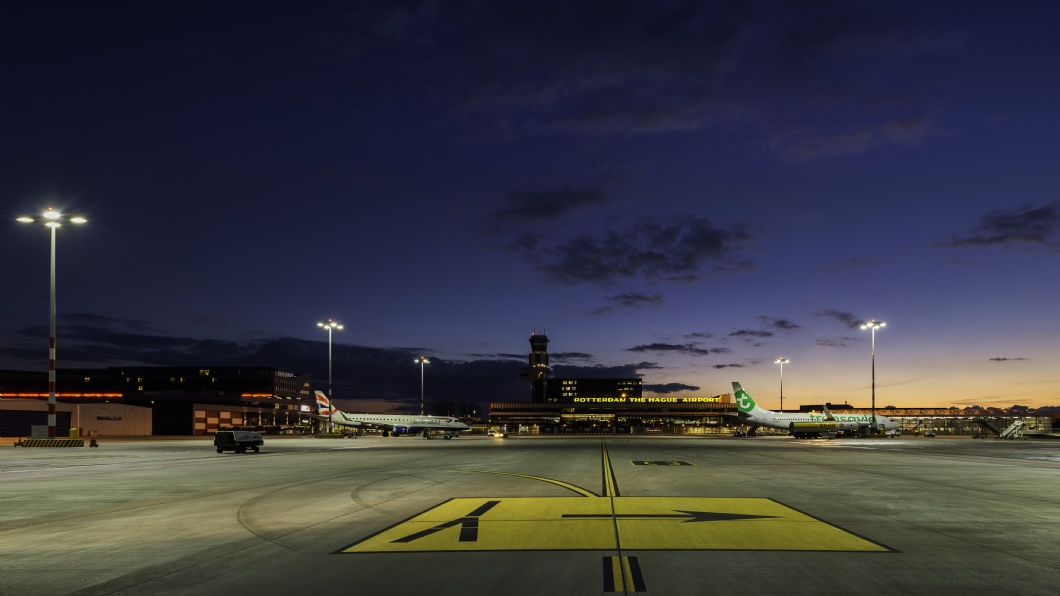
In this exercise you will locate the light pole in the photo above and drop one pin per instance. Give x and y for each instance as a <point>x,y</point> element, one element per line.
<point>54,220</point>
<point>329,325</point>
<point>873,324</point>
<point>781,361</point>
<point>422,360</point>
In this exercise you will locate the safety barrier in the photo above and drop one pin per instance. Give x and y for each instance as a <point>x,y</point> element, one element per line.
<point>53,443</point>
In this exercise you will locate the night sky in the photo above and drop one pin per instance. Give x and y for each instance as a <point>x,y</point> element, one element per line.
<point>682,191</point>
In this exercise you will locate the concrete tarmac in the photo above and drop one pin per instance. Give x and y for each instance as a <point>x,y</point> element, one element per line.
<point>533,515</point>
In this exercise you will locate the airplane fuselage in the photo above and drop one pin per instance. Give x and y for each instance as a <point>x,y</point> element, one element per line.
<point>806,424</point>
<point>399,424</point>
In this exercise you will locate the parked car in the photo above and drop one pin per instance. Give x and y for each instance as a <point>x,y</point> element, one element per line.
<point>237,440</point>
<point>929,433</point>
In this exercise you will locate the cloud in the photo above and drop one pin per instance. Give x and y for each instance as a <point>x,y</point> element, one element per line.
<point>905,131</point>
<point>691,349</point>
<point>1006,359</point>
<point>685,248</point>
<point>620,371</point>
<point>548,205</point>
<point>629,300</point>
<point>751,333</point>
<point>835,343</point>
<point>362,375</point>
<point>665,388</point>
<point>848,319</point>
<point>359,372</point>
<point>561,356</point>
<point>637,300</point>
<point>759,70</point>
<point>780,325</point>
<point>1026,225</point>
<point>699,335</point>
<point>721,366</point>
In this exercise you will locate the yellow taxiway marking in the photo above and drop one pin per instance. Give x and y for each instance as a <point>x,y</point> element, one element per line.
<point>599,523</point>
<point>622,574</point>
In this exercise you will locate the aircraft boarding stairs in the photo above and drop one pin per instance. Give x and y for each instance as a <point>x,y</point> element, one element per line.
<point>994,427</point>
<point>1014,431</point>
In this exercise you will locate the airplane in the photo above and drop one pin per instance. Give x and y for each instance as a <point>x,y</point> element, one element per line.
<point>803,424</point>
<point>390,423</point>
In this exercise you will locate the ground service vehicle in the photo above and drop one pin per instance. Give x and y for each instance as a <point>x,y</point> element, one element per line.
<point>237,440</point>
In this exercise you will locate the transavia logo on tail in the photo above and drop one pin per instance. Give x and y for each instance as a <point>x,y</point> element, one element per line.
<point>744,401</point>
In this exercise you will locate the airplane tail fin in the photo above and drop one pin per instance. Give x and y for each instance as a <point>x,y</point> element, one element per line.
<point>744,403</point>
<point>828,415</point>
<point>324,405</point>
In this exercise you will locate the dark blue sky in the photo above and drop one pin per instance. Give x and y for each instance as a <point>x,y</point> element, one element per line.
<point>679,190</point>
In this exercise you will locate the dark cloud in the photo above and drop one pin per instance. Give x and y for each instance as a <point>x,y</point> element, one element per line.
<point>359,372</point>
<point>1025,225</point>
<point>691,349</point>
<point>665,388</point>
<point>620,371</point>
<point>561,356</point>
<point>629,300</point>
<point>721,366</point>
<point>781,325</point>
<point>508,356</point>
<point>526,242</point>
<point>548,204</point>
<point>835,343</point>
<point>905,131</point>
<point>684,249</point>
<point>1006,359</point>
<point>760,68</point>
<point>751,333</point>
<point>637,300</point>
<point>848,319</point>
<point>699,335</point>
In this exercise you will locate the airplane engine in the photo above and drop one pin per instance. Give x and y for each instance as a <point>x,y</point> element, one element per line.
<point>401,430</point>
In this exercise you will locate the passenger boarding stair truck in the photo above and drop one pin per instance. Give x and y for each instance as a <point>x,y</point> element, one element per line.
<point>987,427</point>
<point>1014,431</point>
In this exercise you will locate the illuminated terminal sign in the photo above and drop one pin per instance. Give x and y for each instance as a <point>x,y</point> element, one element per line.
<point>647,400</point>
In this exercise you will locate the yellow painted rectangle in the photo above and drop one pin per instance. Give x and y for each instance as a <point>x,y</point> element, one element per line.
<point>589,523</point>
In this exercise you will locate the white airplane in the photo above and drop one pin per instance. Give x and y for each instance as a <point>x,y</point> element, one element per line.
<point>803,424</point>
<point>390,423</point>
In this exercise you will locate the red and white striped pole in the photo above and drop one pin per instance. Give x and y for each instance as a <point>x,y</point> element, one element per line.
<point>52,219</point>
<point>51,342</point>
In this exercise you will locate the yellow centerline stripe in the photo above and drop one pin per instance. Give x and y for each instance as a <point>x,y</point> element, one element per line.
<point>571,487</point>
<point>610,489</point>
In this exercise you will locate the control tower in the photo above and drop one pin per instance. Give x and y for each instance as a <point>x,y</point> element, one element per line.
<point>538,370</point>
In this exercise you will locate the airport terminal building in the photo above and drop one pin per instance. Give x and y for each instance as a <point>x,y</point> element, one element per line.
<point>182,400</point>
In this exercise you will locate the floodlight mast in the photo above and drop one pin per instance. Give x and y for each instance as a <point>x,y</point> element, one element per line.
<point>873,324</point>
<point>422,360</point>
<point>329,326</point>
<point>781,361</point>
<point>52,219</point>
